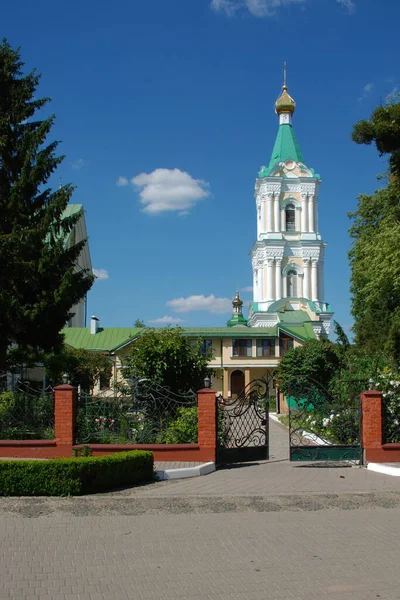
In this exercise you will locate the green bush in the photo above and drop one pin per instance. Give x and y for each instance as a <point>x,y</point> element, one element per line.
<point>183,429</point>
<point>74,476</point>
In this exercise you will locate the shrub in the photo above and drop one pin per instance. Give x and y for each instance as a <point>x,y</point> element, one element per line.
<point>183,429</point>
<point>74,476</point>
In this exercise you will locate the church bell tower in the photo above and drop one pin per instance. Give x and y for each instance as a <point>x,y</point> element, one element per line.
<point>288,255</point>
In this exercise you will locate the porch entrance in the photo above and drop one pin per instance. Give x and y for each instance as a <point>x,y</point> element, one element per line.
<point>237,383</point>
<point>323,427</point>
<point>242,424</point>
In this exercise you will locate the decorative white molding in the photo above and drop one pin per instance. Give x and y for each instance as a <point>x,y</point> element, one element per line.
<point>292,266</point>
<point>311,253</point>
<point>290,200</point>
<point>308,188</point>
<point>292,188</point>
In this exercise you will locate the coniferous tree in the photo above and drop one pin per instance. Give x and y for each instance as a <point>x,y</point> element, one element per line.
<point>39,279</point>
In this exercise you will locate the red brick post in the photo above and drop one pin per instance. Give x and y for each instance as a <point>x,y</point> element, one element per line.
<point>65,398</point>
<point>371,404</point>
<point>207,423</point>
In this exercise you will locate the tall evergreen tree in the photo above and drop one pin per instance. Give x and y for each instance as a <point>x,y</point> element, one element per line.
<point>39,279</point>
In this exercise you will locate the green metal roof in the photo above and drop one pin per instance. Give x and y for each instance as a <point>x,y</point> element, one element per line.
<point>105,340</point>
<point>110,339</point>
<point>286,147</point>
<point>293,316</point>
<point>229,332</point>
<point>72,209</point>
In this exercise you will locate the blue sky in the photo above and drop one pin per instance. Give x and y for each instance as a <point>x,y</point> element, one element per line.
<point>180,94</point>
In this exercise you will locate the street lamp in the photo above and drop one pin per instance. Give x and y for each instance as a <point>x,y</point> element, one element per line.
<point>65,378</point>
<point>207,381</point>
<point>371,383</point>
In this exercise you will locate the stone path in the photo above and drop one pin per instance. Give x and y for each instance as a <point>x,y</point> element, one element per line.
<point>268,531</point>
<point>269,556</point>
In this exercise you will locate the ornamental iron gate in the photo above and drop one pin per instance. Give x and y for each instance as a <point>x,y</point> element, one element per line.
<point>242,425</point>
<point>323,427</point>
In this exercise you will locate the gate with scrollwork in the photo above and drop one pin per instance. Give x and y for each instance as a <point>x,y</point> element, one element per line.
<point>323,426</point>
<point>242,425</point>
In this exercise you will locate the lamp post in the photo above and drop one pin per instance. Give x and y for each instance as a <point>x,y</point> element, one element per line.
<point>207,381</point>
<point>65,378</point>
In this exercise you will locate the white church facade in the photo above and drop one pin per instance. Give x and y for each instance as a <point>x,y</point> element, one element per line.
<point>288,255</point>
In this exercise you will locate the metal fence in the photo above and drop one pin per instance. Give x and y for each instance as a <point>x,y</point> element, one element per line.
<point>390,420</point>
<point>144,414</point>
<point>25,412</point>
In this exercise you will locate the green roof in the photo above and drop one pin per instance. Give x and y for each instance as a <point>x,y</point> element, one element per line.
<point>293,316</point>
<point>72,209</point>
<point>105,340</point>
<point>286,147</point>
<point>110,339</point>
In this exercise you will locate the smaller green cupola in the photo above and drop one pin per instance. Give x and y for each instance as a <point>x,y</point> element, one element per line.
<point>237,318</point>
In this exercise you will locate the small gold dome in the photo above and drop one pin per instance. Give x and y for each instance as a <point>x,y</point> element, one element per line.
<point>285,103</point>
<point>237,301</point>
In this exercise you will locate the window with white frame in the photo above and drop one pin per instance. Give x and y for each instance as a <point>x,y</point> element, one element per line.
<point>290,217</point>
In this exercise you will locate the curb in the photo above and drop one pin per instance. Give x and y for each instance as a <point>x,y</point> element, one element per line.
<point>197,471</point>
<point>384,468</point>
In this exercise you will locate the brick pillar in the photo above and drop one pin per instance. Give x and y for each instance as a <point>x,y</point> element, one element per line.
<point>65,399</point>
<point>371,403</point>
<point>207,422</point>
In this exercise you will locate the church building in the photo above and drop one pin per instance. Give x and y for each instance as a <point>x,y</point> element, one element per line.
<point>288,306</point>
<point>288,255</point>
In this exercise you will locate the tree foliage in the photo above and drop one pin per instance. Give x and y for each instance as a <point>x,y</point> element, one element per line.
<point>39,281</point>
<point>375,253</point>
<point>315,361</point>
<point>165,356</point>
<point>382,129</point>
<point>83,367</point>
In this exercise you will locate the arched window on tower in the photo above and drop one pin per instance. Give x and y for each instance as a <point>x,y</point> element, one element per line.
<point>290,217</point>
<point>292,284</point>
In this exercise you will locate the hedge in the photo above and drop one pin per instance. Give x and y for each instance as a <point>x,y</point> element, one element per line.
<point>74,476</point>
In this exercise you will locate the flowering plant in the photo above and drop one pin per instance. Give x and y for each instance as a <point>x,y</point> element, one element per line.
<point>388,383</point>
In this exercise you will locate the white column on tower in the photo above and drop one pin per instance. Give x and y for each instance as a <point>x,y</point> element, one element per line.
<point>284,286</point>
<point>278,279</point>
<point>270,279</point>
<point>321,291</point>
<point>255,285</point>
<point>283,220</point>
<point>304,210</point>
<point>311,214</point>
<point>306,287</point>
<point>269,214</point>
<point>314,280</point>
<point>276,214</point>
<point>258,220</point>
<point>297,215</point>
<point>300,282</point>
<point>261,294</point>
<point>262,224</point>
<point>316,222</point>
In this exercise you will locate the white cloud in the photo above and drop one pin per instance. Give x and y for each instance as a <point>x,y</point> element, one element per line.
<point>247,289</point>
<point>78,164</point>
<point>100,273</point>
<point>367,89</point>
<point>167,320</point>
<point>349,5</point>
<point>265,8</point>
<point>392,95</point>
<point>207,303</point>
<point>121,181</point>
<point>165,190</point>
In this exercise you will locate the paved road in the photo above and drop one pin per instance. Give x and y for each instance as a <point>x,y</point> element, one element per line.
<point>269,531</point>
<point>268,556</point>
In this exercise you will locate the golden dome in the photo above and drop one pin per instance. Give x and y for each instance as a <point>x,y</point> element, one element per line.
<point>285,103</point>
<point>237,301</point>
